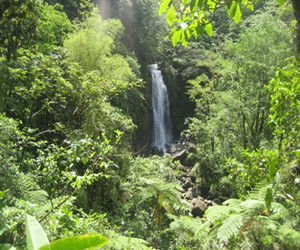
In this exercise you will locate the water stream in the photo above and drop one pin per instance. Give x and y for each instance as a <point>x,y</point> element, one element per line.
<point>162,127</point>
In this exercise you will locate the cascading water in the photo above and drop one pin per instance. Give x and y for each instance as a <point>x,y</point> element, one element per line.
<point>162,127</point>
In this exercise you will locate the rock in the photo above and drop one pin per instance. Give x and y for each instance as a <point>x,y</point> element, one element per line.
<point>199,207</point>
<point>193,178</point>
<point>180,156</point>
<point>192,149</point>
<point>191,159</point>
<point>157,151</point>
<point>182,175</point>
<point>196,191</point>
<point>189,194</point>
<point>182,168</point>
<point>187,203</point>
<point>194,201</point>
<point>187,185</point>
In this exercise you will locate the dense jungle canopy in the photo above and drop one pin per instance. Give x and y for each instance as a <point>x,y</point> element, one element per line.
<point>79,167</point>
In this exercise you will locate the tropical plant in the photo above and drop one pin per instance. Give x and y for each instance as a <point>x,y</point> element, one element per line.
<point>37,239</point>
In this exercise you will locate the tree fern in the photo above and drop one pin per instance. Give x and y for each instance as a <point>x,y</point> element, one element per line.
<point>216,214</point>
<point>230,227</point>
<point>248,222</point>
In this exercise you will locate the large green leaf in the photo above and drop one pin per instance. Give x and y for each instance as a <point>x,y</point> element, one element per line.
<point>209,29</point>
<point>238,14</point>
<point>164,6</point>
<point>35,235</point>
<point>77,243</point>
<point>280,2</point>
<point>176,37</point>
<point>171,15</point>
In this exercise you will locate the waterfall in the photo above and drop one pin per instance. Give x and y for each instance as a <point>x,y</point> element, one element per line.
<point>162,129</point>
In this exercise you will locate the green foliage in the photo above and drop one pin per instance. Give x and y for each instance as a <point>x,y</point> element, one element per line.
<point>52,28</point>
<point>255,167</point>
<point>285,109</point>
<point>154,191</point>
<point>19,20</point>
<point>78,242</point>
<point>37,239</point>
<point>183,229</point>
<point>92,44</point>
<point>193,17</point>
<point>35,235</point>
<point>69,115</point>
<point>239,224</point>
<point>232,106</point>
<point>70,7</point>
<point>120,242</point>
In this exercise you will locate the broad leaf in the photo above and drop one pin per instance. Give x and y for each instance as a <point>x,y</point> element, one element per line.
<point>238,14</point>
<point>209,29</point>
<point>194,5</point>
<point>171,15</point>
<point>269,198</point>
<point>176,36</point>
<point>2,193</point>
<point>77,243</point>
<point>35,235</point>
<point>280,2</point>
<point>164,6</point>
<point>231,10</point>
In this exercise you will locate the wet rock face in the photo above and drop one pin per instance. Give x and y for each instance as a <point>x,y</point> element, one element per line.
<point>156,151</point>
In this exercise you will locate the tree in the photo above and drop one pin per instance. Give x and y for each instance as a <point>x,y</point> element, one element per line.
<point>92,46</point>
<point>52,28</point>
<point>18,25</point>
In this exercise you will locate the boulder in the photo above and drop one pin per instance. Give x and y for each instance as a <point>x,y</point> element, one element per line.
<point>189,194</point>
<point>196,191</point>
<point>187,185</point>
<point>182,175</point>
<point>180,156</point>
<point>199,207</point>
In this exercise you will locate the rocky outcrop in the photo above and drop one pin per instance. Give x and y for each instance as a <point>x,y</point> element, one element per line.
<point>191,190</point>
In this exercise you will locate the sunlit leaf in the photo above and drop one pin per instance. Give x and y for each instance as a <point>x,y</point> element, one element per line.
<point>194,5</point>
<point>238,14</point>
<point>280,2</point>
<point>209,29</point>
<point>231,10</point>
<point>171,15</point>
<point>77,243</point>
<point>176,37</point>
<point>164,6</point>
<point>35,235</point>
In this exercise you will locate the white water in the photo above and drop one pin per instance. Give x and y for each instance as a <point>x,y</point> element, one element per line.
<point>162,128</point>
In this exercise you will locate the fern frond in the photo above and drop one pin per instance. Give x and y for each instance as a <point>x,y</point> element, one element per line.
<point>268,223</point>
<point>253,207</point>
<point>279,212</point>
<point>218,213</point>
<point>232,202</point>
<point>258,192</point>
<point>230,227</point>
<point>290,238</point>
